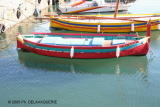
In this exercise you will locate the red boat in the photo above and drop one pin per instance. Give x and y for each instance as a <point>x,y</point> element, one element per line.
<point>77,45</point>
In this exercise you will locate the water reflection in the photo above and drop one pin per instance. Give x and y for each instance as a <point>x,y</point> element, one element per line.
<point>4,42</point>
<point>124,65</point>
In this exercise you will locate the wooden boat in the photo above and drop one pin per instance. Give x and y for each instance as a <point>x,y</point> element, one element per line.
<point>91,6</point>
<point>100,23</point>
<point>77,45</point>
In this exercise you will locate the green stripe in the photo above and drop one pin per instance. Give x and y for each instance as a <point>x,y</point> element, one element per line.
<point>47,48</point>
<point>82,50</point>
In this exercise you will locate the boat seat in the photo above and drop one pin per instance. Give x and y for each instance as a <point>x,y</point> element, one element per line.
<point>50,40</point>
<point>107,43</point>
<point>37,40</point>
<point>66,41</point>
<point>118,41</point>
<point>98,41</point>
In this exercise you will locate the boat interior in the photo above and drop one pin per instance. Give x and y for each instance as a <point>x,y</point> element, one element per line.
<point>79,41</point>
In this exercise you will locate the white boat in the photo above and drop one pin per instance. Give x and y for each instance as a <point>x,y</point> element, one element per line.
<point>91,6</point>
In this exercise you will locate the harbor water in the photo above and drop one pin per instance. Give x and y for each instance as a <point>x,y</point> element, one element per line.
<point>132,81</point>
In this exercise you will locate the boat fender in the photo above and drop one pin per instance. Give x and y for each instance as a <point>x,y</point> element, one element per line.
<point>48,2</point>
<point>132,27</point>
<point>36,13</point>
<point>99,28</point>
<point>2,28</point>
<point>118,50</point>
<point>39,1</point>
<point>18,13</point>
<point>72,52</point>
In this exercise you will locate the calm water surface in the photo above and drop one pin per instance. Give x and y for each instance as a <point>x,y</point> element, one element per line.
<point>132,81</point>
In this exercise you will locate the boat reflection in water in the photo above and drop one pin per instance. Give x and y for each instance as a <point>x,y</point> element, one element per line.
<point>125,65</point>
<point>4,42</point>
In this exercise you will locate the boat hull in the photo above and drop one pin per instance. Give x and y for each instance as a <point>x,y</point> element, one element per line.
<point>100,27</point>
<point>88,6</point>
<point>134,48</point>
<point>90,9</point>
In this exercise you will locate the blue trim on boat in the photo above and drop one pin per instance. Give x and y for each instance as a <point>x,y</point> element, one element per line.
<point>101,25</point>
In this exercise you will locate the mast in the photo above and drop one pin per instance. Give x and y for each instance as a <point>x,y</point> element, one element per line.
<point>116,9</point>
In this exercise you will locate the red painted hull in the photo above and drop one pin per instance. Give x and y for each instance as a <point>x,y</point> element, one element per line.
<point>138,50</point>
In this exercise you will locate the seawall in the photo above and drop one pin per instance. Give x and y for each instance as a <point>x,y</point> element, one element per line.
<point>14,11</point>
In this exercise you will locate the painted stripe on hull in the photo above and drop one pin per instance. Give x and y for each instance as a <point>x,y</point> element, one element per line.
<point>83,50</point>
<point>57,24</point>
<point>78,47</point>
<point>140,50</point>
<point>126,25</point>
<point>116,29</point>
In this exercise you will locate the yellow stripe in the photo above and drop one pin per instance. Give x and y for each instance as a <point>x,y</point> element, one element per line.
<point>120,23</point>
